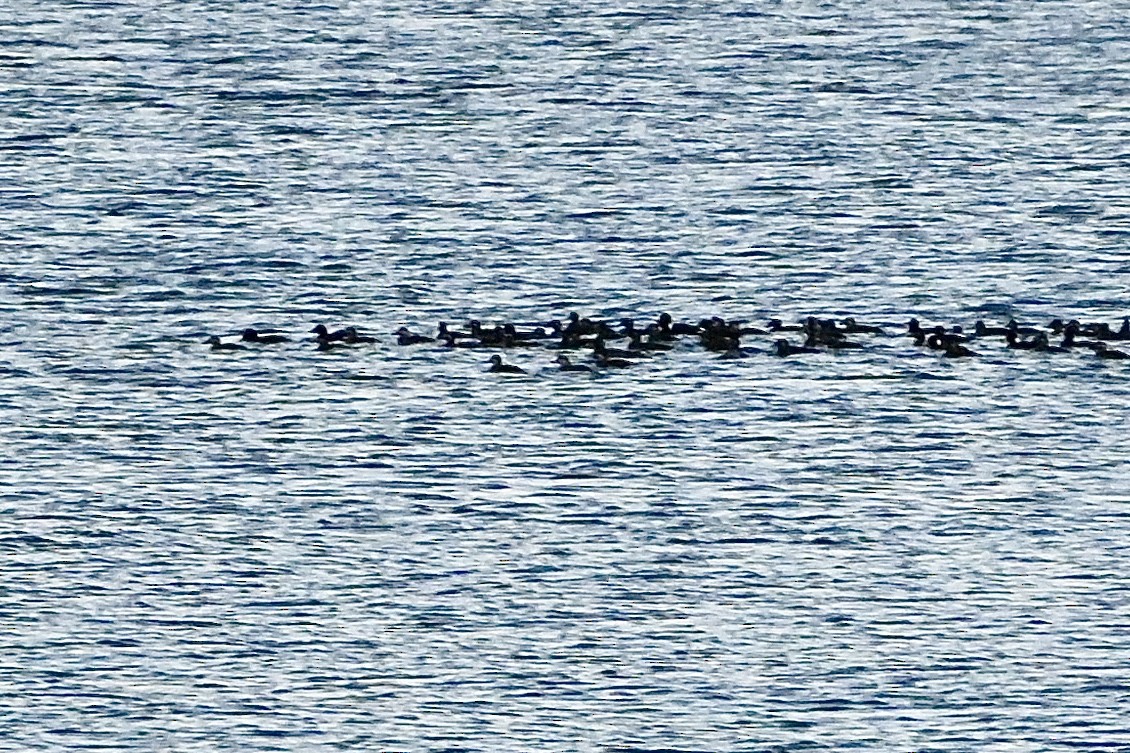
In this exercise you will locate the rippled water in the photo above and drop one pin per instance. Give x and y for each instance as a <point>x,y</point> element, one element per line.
<point>389,549</point>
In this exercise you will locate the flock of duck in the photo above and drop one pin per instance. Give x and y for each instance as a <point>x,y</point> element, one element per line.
<point>582,336</point>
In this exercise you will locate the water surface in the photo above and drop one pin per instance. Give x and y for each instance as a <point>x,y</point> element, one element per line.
<point>389,549</point>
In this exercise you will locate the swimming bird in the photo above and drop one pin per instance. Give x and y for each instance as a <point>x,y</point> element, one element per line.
<point>784,348</point>
<point>1100,330</point>
<point>937,337</point>
<point>404,337</point>
<point>1014,326</point>
<point>776,325</point>
<point>719,335</point>
<point>251,336</point>
<point>325,344</point>
<point>669,329</point>
<point>1057,326</point>
<point>1070,332</point>
<point>321,333</point>
<point>566,365</point>
<point>578,326</point>
<point>840,345</point>
<point>514,337</point>
<point>853,328</point>
<point>494,337</point>
<point>980,329</point>
<point>498,367</point>
<point>638,343</point>
<point>915,329</point>
<point>821,331</point>
<point>954,349</point>
<point>353,338</point>
<point>1040,343</point>
<point>445,333</point>
<point>1102,350</point>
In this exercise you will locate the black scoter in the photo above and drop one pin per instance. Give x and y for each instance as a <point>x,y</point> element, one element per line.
<point>498,367</point>
<point>564,364</point>
<point>252,336</point>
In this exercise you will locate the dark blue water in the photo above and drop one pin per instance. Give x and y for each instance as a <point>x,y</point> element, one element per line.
<point>387,548</point>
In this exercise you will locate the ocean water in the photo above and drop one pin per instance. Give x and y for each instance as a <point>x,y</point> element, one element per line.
<point>388,548</point>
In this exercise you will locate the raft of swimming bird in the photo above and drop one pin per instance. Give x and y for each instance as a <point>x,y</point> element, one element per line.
<point>583,338</point>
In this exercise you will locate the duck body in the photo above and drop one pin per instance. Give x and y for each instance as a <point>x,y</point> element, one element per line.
<point>638,343</point>
<point>776,325</point>
<point>1103,331</point>
<point>523,338</point>
<point>321,333</point>
<point>822,331</point>
<point>405,337</point>
<point>740,328</point>
<point>852,327</point>
<point>718,340</point>
<point>498,367</point>
<point>784,348</point>
<point>1014,326</point>
<point>1103,351</point>
<point>668,329</point>
<point>841,345</point>
<point>564,364</point>
<point>444,333</point>
<point>352,337</point>
<point>325,344</point>
<point>578,327</point>
<point>1069,341</point>
<point>495,337</point>
<point>252,336</point>
<point>980,329</point>
<point>957,350</point>
<point>719,335</point>
<point>1041,345</point>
